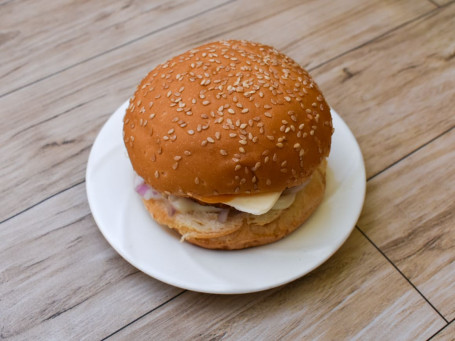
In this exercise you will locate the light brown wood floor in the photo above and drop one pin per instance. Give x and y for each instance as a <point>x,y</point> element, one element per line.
<point>387,67</point>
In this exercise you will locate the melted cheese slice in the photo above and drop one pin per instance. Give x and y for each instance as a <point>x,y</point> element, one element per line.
<point>252,203</point>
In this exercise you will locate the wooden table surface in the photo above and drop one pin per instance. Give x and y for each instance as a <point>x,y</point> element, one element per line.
<point>387,67</point>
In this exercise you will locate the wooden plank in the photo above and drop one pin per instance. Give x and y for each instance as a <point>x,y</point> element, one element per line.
<point>59,34</point>
<point>337,301</point>
<point>59,279</point>
<point>73,104</point>
<point>312,38</point>
<point>447,334</point>
<point>396,93</point>
<point>116,23</point>
<point>442,2</point>
<point>410,214</point>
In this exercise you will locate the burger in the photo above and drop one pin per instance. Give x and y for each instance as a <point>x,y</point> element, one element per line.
<point>229,142</point>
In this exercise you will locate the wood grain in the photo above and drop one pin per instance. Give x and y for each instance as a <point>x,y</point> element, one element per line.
<point>388,67</point>
<point>59,279</point>
<point>62,114</point>
<point>447,334</point>
<point>60,34</point>
<point>397,92</point>
<point>410,214</point>
<point>331,303</point>
<point>442,2</point>
<point>309,25</point>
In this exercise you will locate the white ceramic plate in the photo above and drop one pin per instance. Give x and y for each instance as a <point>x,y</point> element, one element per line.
<point>157,251</point>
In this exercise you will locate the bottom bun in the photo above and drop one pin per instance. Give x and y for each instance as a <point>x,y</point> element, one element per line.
<point>243,230</point>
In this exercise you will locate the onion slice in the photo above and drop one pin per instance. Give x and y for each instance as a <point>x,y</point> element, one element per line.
<point>223,215</point>
<point>295,189</point>
<point>142,189</point>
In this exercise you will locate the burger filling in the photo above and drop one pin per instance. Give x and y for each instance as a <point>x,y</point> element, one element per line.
<point>255,204</point>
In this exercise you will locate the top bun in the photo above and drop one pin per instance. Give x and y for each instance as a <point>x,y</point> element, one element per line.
<point>228,117</point>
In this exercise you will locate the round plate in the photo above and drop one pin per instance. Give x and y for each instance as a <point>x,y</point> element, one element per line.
<point>157,251</point>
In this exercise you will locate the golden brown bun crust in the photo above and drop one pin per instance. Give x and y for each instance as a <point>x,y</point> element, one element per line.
<point>227,117</point>
<point>235,234</point>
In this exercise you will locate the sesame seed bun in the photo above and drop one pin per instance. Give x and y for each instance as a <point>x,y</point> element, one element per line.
<point>226,118</point>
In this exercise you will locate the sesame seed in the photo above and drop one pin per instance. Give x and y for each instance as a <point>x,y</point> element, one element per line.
<point>287,98</point>
<point>191,132</point>
<point>187,152</point>
<point>266,159</point>
<point>268,182</point>
<point>217,135</point>
<point>242,150</point>
<point>297,145</point>
<point>244,142</point>
<point>211,140</point>
<point>237,167</point>
<point>223,152</point>
<point>170,131</point>
<point>254,179</point>
<point>196,180</point>
<point>206,103</point>
<point>177,158</point>
<point>232,135</point>
<point>267,114</point>
<point>175,166</point>
<point>279,145</point>
<point>157,174</point>
<point>244,111</point>
<point>231,111</point>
